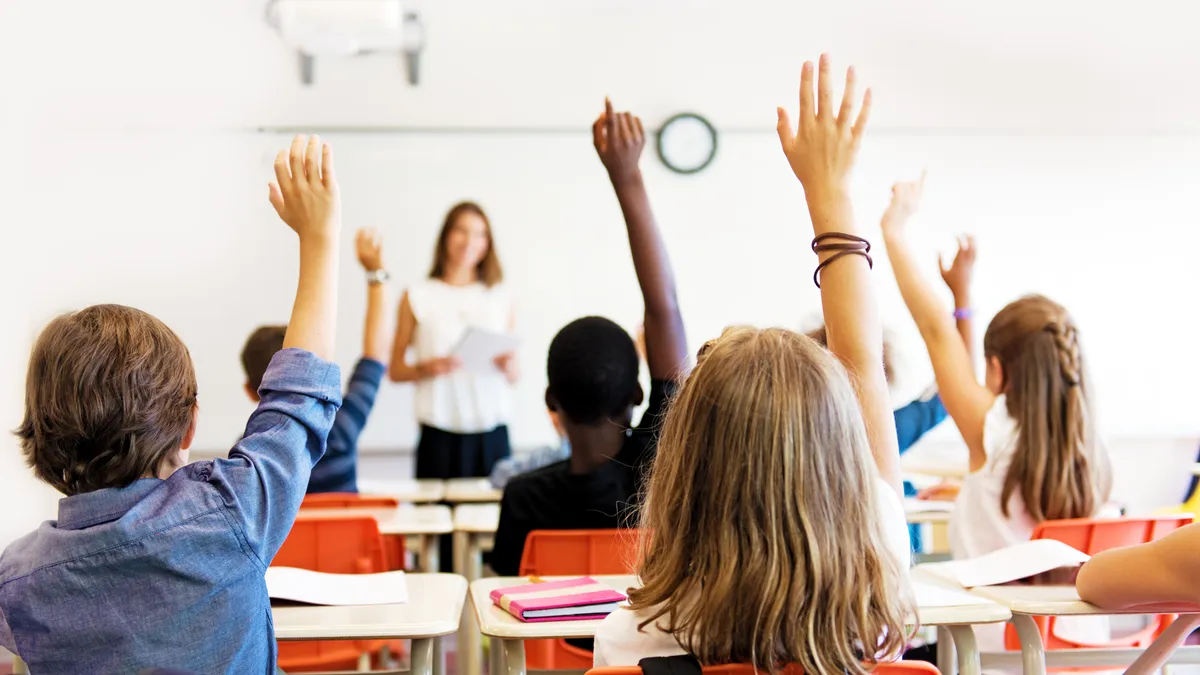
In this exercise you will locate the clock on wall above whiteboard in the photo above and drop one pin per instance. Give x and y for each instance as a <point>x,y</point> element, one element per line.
<point>687,143</point>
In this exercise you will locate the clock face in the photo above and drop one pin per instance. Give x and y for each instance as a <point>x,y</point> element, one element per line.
<point>687,143</point>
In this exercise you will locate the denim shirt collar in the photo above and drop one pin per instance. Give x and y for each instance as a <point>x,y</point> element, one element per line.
<point>93,508</point>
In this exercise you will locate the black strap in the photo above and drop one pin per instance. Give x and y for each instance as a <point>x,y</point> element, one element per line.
<point>684,664</point>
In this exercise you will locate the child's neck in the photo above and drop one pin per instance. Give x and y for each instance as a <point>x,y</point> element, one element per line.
<point>459,276</point>
<point>593,446</point>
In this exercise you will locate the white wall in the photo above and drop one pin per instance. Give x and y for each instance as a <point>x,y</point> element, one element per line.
<point>1060,134</point>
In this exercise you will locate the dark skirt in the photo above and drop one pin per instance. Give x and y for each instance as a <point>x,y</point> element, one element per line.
<point>445,454</point>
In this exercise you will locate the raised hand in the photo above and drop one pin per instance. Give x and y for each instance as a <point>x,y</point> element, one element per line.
<point>619,139</point>
<point>368,244</point>
<point>822,147</point>
<point>960,272</point>
<point>906,199</point>
<point>305,191</point>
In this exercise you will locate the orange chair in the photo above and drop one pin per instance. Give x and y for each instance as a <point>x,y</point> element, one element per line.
<point>393,547</point>
<point>572,552</point>
<point>1092,536</point>
<point>894,668</point>
<point>350,545</point>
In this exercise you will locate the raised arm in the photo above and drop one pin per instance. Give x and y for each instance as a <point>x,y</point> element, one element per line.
<point>821,150</point>
<point>619,139</point>
<point>376,340</point>
<point>966,401</point>
<point>1163,571</point>
<point>958,279</point>
<point>306,197</point>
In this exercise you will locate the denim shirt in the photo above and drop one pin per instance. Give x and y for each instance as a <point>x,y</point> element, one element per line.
<point>169,573</point>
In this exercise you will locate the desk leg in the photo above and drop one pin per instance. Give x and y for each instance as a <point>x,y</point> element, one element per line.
<point>514,657</point>
<point>1033,654</point>
<point>470,646</point>
<point>429,553</point>
<point>439,657</point>
<point>19,667</point>
<point>945,650</point>
<point>495,657</point>
<point>422,656</point>
<point>967,648</point>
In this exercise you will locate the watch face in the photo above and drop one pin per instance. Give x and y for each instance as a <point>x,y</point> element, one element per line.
<point>687,143</point>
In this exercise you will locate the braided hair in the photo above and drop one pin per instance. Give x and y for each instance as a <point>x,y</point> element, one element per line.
<point>1058,467</point>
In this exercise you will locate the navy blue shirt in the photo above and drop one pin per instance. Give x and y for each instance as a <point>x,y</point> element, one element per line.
<point>338,469</point>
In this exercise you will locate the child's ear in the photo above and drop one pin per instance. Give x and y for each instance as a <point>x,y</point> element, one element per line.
<point>191,431</point>
<point>251,392</point>
<point>551,402</point>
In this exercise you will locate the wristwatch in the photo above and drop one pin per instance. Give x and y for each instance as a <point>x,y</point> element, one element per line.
<point>378,276</point>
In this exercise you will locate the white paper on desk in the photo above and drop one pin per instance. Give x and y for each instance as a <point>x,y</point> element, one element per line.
<point>478,349</point>
<point>927,506</point>
<point>319,588</point>
<point>1009,564</point>
<point>932,595</point>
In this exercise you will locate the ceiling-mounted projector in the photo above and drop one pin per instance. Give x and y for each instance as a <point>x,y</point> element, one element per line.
<point>318,28</point>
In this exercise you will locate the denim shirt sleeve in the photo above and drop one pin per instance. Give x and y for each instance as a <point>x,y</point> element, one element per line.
<point>338,469</point>
<point>264,479</point>
<point>6,636</point>
<point>916,419</point>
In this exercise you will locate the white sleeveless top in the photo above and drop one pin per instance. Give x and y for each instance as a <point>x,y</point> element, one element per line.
<point>461,402</point>
<point>978,525</point>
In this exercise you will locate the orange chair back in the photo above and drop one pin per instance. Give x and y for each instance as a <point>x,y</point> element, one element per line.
<point>1092,536</point>
<point>555,552</point>
<point>350,545</point>
<point>572,552</point>
<point>347,500</point>
<point>895,668</point>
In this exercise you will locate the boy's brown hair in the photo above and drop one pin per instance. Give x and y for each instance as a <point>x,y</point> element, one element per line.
<point>259,351</point>
<point>110,395</point>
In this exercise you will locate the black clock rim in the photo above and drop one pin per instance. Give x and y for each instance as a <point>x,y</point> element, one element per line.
<point>658,143</point>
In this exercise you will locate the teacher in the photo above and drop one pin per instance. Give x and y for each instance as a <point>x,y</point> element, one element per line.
<point>463,414</point>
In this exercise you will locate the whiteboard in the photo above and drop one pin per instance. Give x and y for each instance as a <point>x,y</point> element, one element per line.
<point>179,225</point>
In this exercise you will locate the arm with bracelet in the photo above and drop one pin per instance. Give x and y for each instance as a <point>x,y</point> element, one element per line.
<point>966,400</point>
<point>821,149</point>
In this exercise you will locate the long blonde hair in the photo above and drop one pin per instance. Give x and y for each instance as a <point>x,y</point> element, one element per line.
<point>1058,467</point>
<point>761,541</point>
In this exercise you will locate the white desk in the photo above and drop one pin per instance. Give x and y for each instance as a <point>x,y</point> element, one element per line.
<point>423,491</point>
<point>471,490</point>
<point>421,524</point>
<point>920,511</point>
<point>938,605</point>
<point>1026,602</point>
<point>435,604</point>
<point>474,529</point>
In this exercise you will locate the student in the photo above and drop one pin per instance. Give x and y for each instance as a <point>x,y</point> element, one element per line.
<point>338,469</point>
<point>1162,571</point>
<point>154,562</point>
<point>1033,450</point>
<point>593,373</point>
<point>773,529</point>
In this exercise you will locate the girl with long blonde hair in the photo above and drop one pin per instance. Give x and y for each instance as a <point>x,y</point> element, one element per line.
<point>772,528</point>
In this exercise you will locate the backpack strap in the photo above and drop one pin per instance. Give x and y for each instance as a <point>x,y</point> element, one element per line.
<point>683,664</point>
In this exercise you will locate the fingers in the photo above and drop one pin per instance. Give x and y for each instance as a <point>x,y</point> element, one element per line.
<point>327,177</point>
<point>282,176</point>
<point>824,90</point>
<point>312,160</point>
<point>598,135</point>
<point>626,127</point>
<point>784,126</point>
<point>806,92</point>
<point>864,113</point>
<point>610,120</point>
<point>275,195</point>
<point>942,265</point>
<point>638,129</point>
<point>296,157</point>
<point>847,99</point>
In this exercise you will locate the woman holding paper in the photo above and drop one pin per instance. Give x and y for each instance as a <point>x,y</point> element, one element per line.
<point>458,323</point>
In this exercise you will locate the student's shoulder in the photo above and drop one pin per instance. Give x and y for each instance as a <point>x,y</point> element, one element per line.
<point>534,486</point>
<point>620,640</point>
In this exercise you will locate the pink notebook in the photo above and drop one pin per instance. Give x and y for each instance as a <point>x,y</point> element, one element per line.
<point>563,600</point>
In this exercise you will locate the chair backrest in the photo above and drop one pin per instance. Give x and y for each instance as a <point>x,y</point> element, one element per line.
<point>350,545</point>
<point>551,552</point>
<point>346,500</point>
<point>1094,535</point>
<point>895,668</point>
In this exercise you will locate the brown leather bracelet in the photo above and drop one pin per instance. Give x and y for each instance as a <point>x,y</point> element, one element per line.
<point>854,246</point>
<point>817,272</point>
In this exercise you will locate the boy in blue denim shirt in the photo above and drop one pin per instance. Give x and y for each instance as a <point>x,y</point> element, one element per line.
<point>338,469</point>
<point>153,562</point>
